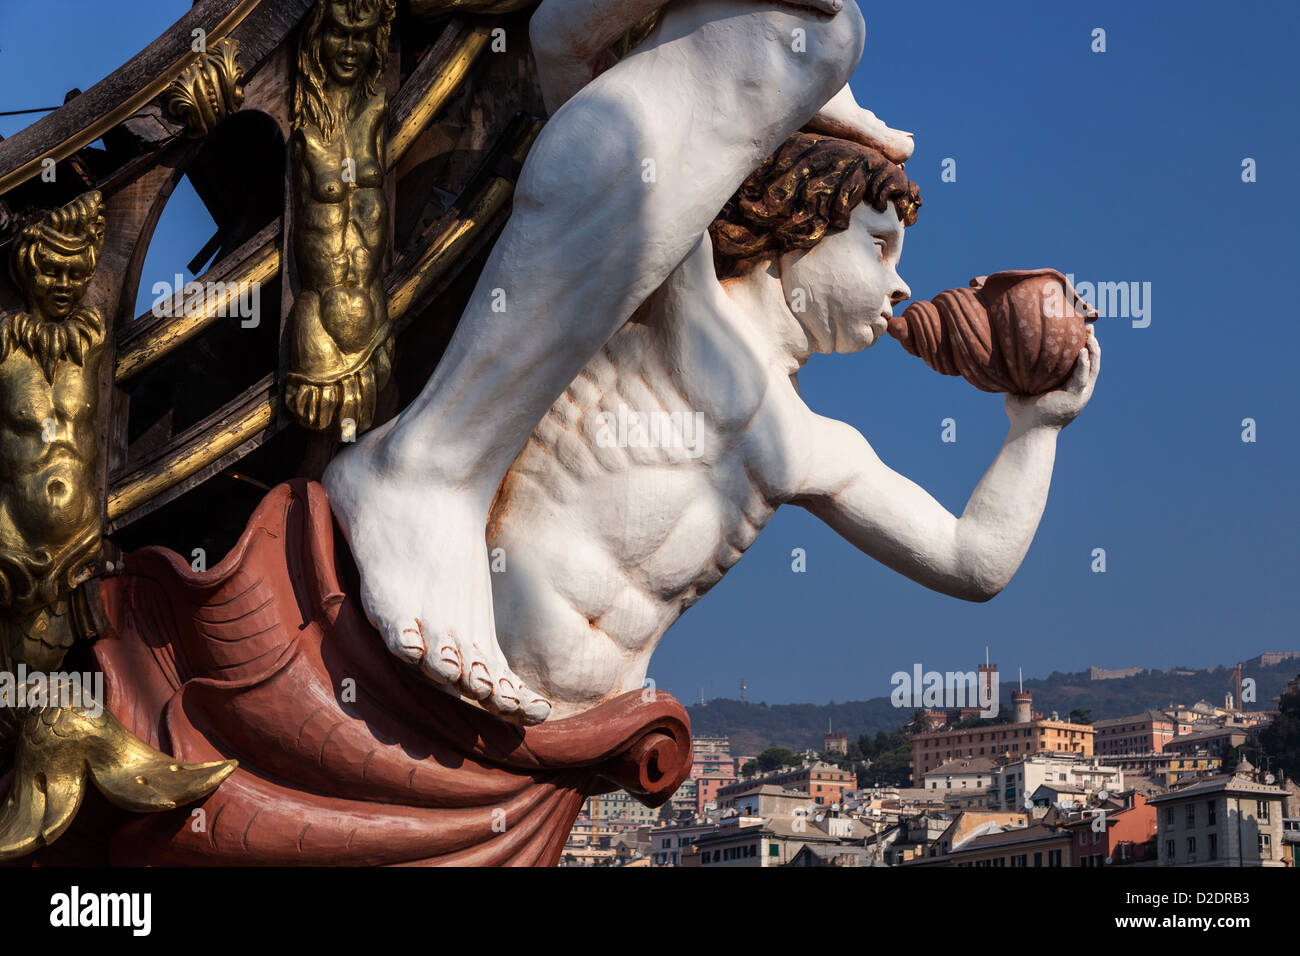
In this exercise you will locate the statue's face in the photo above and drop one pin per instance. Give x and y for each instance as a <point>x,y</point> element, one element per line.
<point>347,45</point>
<point>843,290</point>
<point>58,283</point>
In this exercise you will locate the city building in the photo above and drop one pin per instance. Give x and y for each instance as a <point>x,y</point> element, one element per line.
<point>707,788</point>
<point>1116,833</point>
<point>667,844</point>
<point>1032,846</point>
<point>684,801</point>
<point>1224,820</point>
<point>823,782</point>
<point>997,839</point>
<point>619,808</point>
<point>836,743</point>
<point>1215,741</point>
<point>766,841</point>
<point>964,774</point>
<point>1015,779</point>
<point>1026,735</point>
<point>712,755</point>
<point>1144,733</point>
<point>1165,768</point>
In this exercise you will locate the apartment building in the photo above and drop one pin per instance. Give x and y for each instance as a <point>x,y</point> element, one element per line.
<point>1026,735</point>
<point>1115,833</point>
<point>824,783</point>
<point>1225,820</point>
<point>1018,779</point>
<point>1144,733</point>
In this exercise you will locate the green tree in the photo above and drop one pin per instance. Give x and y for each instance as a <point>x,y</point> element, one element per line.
<point>1280,740</point>
<point>1081,715</point>
<point>774,757</point>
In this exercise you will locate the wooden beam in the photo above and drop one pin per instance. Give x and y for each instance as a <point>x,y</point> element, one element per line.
<point>190,316</point>
<point>119,95</point>
<point>407,284</point>
<point>434,81</point>
<point>198,448</point>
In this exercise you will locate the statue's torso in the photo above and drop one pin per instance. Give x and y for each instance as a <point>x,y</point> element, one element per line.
<point>47,451</point>
<point>607,539</point>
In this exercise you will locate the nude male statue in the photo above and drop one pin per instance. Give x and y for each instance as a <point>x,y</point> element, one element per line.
<point>605,546</point>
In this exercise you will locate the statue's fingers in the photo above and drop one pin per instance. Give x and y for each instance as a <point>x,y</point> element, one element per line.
<point>824,6</point>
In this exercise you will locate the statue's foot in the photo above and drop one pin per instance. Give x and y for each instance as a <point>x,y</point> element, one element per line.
<point>425,581</point>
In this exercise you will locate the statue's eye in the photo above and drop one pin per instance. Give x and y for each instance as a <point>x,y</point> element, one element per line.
<point>881,246</point>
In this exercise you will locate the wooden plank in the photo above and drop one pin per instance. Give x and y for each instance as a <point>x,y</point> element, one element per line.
<point>195,454</point>
<point>434,81</point>
<point>116,97</point>
<point>408,284</point>
<point>191,315</point>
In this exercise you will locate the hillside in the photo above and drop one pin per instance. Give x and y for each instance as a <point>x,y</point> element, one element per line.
<point>755,727</point>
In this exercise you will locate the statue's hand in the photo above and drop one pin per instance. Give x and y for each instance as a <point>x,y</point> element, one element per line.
<point>1057,409</point>
<point>824,6</point>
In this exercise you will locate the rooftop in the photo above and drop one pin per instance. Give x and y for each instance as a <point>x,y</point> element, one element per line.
<point>1220,783</point>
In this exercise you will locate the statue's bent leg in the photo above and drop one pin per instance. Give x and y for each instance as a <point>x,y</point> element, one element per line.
<point>619,186</point>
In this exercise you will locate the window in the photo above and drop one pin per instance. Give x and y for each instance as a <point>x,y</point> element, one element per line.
<point>1209,813</point>
<point>1038,859</point>
<point>1191,814</point>
<point>1169,851</point>
<point>773,850</point>
<point>1261,809</point>
<point>1191,849</point>
<point>1214,847</point>
<point>1053,857</point>
<point>1169,817</point>
<point>1265,847</point>
<point>1019,861</point>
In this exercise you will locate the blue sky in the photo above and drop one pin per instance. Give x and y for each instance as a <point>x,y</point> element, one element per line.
<point>1117,166</point>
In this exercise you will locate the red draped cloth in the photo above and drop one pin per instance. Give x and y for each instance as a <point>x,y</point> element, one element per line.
<point>345,755</point>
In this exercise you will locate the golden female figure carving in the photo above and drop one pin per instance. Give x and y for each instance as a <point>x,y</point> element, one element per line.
<point>341,339</point>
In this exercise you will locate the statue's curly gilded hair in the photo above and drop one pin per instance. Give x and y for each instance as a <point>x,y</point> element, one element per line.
<point>808,187</point>
<point>310,104</point>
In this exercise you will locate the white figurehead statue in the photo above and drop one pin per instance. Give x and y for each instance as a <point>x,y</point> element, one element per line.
<point>628,424</point>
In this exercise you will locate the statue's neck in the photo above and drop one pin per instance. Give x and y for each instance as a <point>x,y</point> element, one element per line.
<point>761,304</point>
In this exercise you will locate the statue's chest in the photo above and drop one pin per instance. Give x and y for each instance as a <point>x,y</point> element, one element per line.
<point>30,403</point>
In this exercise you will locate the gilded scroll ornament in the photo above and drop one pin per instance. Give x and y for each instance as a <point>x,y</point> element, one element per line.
<point>341,337</point>
<point>208,90</point>
<point>50,537</point>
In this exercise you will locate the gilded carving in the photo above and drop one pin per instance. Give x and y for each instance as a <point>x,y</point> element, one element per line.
<point>49,367</point>
<point>50,536</point>
<point>341,337</point>
<point>208,90</point>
